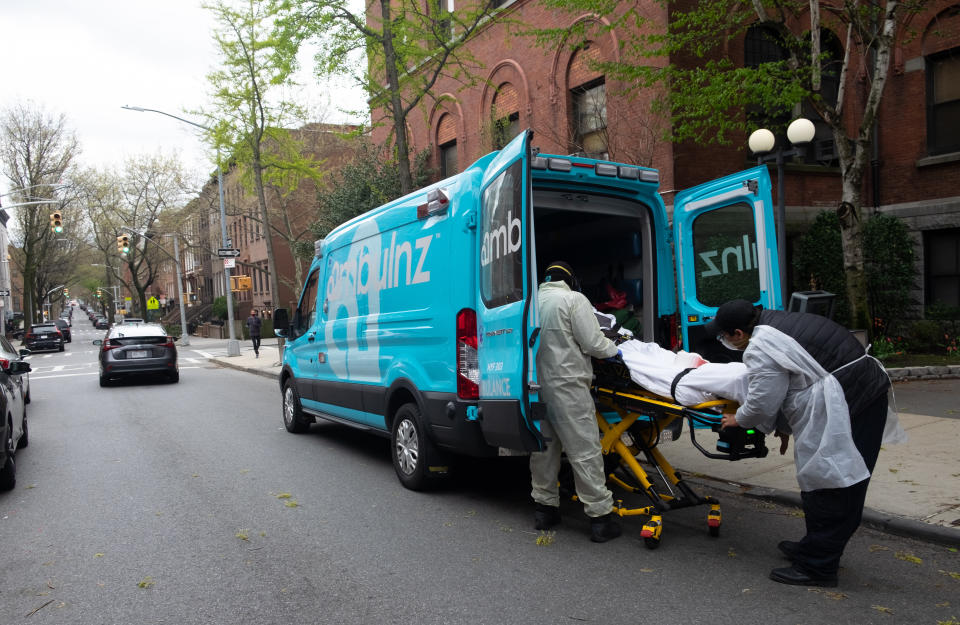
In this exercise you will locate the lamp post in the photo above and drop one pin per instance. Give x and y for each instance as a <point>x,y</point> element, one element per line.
<point>233,346</point>
<point>184,335</point>
<point>762,143</point>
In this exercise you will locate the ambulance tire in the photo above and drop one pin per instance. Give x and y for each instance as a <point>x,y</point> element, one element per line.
<point>417,461</point>
<point>294,419</point>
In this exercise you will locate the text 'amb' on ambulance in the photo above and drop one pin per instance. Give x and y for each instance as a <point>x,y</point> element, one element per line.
<point>418,320</point>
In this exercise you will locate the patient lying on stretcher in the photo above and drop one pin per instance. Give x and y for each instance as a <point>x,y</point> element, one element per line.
<point>655,369</point>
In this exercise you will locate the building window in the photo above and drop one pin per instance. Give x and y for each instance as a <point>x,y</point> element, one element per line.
<point>590,120</point>
<point>505,116</point>
<point>448,159</point>
<point>447,140</point>
<point>941,253</point>
<point>943,102</point>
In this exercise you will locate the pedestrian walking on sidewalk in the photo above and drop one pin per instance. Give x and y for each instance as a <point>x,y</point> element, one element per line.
<point>253,324</point>
<point>810,377</point>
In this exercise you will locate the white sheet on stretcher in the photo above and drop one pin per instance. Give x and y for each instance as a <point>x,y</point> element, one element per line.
<point>654,368</point>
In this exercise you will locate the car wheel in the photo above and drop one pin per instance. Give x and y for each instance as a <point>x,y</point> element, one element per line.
<point>104,381</point>
<point>293,418</point>
<point>8,473</point>
<point>173,377</point>
<point>26,398</point>
<point>416,460</point>
<point>61,348</point>
<point>25,437</point>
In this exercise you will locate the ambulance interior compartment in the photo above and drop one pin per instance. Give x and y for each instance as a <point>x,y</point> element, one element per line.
<point>607,240</point>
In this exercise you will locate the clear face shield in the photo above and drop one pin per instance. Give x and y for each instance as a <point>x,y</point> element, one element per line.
<point>727,343</point>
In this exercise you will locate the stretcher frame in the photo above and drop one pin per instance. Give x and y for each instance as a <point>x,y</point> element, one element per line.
<point>631,420</point>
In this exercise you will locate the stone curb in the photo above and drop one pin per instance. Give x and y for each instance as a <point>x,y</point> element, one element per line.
<point>229,365</point>
<point>874,519</point>
<point>924,373</point>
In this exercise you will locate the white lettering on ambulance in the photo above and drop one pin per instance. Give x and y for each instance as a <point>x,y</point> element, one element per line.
<point>360,268</point>
<point>495,387</point>
<point>743,260</point>
<point>501,241</point>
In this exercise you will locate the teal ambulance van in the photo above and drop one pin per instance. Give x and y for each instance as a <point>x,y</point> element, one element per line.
<point>418,320</point>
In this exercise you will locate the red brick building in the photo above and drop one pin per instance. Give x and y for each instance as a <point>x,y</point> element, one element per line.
<point>572,108</point>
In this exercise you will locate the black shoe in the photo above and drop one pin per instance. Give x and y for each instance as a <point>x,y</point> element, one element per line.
<point>796,577</point>
<point>789,548</point>
<point>604,528</point>
<point>545,517</point>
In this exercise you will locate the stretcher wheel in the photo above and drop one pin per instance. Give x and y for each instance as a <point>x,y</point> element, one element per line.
<point>714,530</point>
<point>651,542</point>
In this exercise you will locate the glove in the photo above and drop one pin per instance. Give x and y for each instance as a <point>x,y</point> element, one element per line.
<point>617,358</point>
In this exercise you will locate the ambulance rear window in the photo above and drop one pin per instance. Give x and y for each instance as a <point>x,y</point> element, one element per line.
<point>501,251</point>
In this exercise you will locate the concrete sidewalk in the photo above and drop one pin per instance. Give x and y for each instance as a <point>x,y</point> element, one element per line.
<point>915,489</point>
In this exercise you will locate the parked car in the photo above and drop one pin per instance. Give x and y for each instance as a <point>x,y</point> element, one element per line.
<point>43,336</point>
<point>101,323</point>
<point>13,424</point>
<point>129,320</point>
<point>10,354</point>
<point>135,349</point>
<point>64,327</point>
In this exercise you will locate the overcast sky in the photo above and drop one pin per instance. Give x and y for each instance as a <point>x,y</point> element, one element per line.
<point>87,58</point>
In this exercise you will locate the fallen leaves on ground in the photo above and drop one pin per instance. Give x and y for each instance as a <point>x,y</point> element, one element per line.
<point>906,557</point>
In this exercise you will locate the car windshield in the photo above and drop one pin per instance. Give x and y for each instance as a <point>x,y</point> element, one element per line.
<point>44,328</point>
<point>138,340</point>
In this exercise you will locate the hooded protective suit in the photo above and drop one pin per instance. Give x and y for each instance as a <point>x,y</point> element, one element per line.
<point>569,336</point>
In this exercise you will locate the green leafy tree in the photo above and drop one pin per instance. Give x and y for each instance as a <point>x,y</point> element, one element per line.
<point>363,184</point>
<point>250,116</point>
<point>409,45</point>
<point>706,94</point>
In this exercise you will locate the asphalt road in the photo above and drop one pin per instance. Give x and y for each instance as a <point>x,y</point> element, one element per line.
<point>937,398</point>
<point>189,503</point>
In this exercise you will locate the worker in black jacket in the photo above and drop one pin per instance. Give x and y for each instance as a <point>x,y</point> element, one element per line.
<point>810,377</point>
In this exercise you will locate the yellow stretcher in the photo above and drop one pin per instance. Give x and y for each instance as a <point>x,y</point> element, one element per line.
<point>631,422</point>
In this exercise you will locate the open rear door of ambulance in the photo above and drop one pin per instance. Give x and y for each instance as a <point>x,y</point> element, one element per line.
<point>508,409</point>
<point>726,248</point>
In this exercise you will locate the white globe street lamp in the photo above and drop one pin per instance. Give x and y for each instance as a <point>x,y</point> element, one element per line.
<point>762,142</point>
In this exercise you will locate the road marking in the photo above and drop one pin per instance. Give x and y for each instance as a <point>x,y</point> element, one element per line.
<point>73,375</point>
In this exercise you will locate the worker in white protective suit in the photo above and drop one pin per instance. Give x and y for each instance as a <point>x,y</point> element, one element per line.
<point>569,336</point>
<point>809,376</point>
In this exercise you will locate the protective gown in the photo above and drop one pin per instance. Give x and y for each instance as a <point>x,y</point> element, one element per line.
<point>569,336</point>
<point>812,408</point>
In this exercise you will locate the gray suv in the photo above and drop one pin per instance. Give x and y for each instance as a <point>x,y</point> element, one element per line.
<point>136,349</point>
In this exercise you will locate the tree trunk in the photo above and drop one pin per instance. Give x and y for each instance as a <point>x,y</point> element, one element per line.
<point>265,218</point>
<point>396,103</point>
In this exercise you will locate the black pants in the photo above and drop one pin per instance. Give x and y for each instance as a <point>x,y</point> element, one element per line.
<point>256,343</point>
<point>833,514</point>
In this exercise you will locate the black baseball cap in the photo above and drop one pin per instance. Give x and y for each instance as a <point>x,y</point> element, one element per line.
<point>737,314</point>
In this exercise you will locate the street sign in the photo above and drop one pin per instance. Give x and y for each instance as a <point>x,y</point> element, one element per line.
<point>226,252</point>
<point>229,263</point>
<point>4,292</point>
<point>153,304</point>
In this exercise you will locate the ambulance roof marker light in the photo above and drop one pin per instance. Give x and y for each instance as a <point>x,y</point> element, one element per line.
<point>606,169</point>
<point>559,164</point>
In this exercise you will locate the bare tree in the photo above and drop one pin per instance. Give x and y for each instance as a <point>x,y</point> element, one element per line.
<point>37,149</point>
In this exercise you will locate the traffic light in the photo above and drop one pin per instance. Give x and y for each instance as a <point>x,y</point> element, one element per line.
<point>123,244</point>
<point>66,293</point>
<point>241,283</point>
<point>99,292</point>
<point>56,222</point>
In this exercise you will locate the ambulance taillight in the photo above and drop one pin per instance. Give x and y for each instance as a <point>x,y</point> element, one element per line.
<point>468,365</point>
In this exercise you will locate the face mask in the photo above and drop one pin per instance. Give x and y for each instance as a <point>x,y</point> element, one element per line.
<point>726,343</point>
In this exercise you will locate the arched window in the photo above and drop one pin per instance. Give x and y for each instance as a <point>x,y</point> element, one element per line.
<point>588,104</point>
<point>447,143</point>
<point>505,115</point>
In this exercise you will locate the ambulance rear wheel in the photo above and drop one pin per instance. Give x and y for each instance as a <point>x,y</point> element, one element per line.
<point>714,530</point>
<point>651,542</point>
<point>418,463</point>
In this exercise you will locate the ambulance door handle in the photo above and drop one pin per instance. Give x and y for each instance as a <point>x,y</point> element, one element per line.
<point>311,337</point>
<point>533,336</point>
